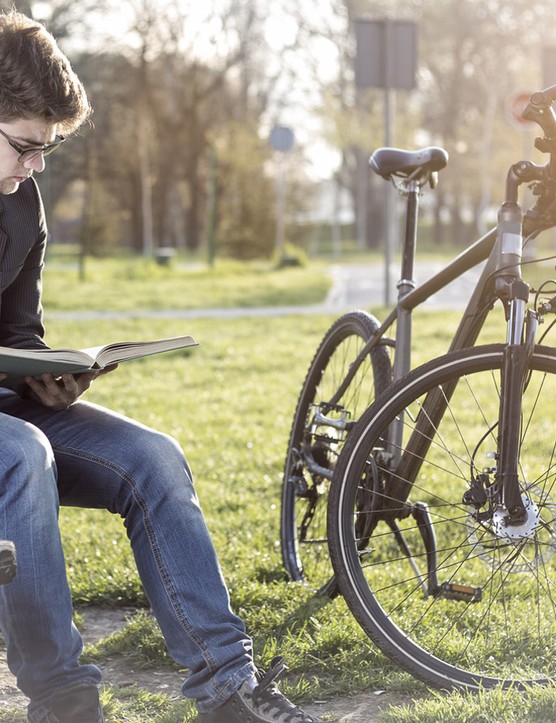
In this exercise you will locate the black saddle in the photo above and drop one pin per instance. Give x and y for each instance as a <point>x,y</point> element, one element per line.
<point>387,162</point>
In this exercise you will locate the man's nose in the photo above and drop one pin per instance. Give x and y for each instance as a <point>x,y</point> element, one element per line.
<point>37,163</point>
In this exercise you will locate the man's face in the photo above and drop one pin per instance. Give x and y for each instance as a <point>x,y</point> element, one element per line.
<point>28,133</point>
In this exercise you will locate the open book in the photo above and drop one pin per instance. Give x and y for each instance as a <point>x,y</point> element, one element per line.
<point>34,362</point>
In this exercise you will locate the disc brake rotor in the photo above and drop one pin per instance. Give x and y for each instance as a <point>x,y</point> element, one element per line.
<point>516,548</point>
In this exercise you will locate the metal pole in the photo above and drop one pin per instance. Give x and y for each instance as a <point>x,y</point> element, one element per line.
<point>212,206</point>
<point>336,223</point>
<point>280,204</point>
<point>362,196</point>
<point>390,200</point>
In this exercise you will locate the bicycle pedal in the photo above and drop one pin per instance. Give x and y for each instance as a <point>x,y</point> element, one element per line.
<point>8,564</point>
<point>452,591</point>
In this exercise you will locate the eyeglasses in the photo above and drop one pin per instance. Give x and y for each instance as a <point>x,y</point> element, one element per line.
<point>28,154</point>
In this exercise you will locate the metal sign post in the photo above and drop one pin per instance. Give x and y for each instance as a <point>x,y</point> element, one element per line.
<point>386,57</point>
<point>282,140</point>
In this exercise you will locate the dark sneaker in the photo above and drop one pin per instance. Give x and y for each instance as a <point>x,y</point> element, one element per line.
<point>264,704</point>
<point>77,706</point>
<point>8,564</point>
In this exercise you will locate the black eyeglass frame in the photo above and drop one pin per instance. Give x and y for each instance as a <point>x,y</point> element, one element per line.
<point>27,154</point>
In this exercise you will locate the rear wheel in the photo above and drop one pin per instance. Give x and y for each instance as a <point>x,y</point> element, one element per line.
<point>318,434</point>
<point>423,553</point>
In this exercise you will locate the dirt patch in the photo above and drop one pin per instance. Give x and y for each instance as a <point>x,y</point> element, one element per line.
<point>98,623</point>
<point>357,709</point>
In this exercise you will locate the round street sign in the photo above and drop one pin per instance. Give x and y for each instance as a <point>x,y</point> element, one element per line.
<point>515,105</point>
<point>281,138</point>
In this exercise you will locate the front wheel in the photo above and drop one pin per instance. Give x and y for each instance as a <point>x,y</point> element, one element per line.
<point>423,552</point>
<point>317,435</point>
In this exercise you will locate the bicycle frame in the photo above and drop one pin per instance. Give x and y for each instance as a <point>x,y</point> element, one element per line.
<point>471,321</point>
<point>410,297</point>
<point>501,279</point>
<point>521,330</point>
<point>514,292</point>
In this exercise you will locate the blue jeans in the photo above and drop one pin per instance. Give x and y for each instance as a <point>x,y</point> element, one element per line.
<point>87,456</point>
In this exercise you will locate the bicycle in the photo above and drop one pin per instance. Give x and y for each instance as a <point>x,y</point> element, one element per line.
<point>441,508</point>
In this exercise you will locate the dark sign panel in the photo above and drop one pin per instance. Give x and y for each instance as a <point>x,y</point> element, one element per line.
<point>386,54</point>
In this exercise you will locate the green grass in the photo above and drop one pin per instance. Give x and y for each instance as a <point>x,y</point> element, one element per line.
<point>230,403</point>
<point>123,284</point>
<point>495,706</point>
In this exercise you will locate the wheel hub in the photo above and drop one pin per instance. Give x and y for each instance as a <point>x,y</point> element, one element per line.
<point>523,531</point>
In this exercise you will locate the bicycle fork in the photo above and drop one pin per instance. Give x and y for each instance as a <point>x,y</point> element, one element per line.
<point>521,331</point>
<point>514,371</point>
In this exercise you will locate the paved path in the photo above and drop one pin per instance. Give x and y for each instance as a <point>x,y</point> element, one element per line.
<point>353,287</point>
<point>363,286</point>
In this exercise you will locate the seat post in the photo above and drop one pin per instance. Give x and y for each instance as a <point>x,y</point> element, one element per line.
<point>407,280</point>
<point>402,360</point>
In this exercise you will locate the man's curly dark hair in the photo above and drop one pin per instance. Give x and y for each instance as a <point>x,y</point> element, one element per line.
<point>36,78</point>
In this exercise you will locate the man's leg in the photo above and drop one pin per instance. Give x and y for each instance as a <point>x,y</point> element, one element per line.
<point>43,646</point>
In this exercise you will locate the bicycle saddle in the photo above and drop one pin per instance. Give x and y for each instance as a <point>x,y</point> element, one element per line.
<point>395,161</point>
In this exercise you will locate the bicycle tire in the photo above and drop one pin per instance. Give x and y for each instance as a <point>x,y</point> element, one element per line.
<point>304,495</point>
<point>439,583</point>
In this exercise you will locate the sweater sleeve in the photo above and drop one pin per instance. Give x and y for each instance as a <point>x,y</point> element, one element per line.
<point>21,314</point>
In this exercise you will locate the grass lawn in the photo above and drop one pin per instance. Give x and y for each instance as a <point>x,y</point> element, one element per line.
<point>137,283</point>
<point>230,403</point>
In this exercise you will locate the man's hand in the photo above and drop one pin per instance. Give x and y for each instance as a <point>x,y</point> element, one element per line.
<point>61,393</point>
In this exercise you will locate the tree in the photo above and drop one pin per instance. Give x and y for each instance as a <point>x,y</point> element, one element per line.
<point>180,104</point>
<point>472,53</point>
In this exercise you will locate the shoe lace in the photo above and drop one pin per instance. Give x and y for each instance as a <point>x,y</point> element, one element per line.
<point>268,699</point>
